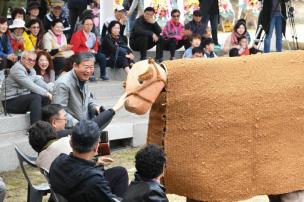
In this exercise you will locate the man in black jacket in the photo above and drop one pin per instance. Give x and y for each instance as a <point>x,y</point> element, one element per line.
<point>149,163</point>
<point>76,176</point>
<point>146,34</point>
<point>273,15</point>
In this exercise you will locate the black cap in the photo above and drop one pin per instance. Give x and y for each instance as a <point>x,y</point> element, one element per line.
<point>32,5</point>
<point>197,13</point>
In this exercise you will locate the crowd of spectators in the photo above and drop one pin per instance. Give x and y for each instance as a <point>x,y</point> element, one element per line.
<point>51,58</point>
<point>135,29</point>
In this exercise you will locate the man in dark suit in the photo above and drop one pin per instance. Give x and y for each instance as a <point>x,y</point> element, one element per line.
<point>210,11</point>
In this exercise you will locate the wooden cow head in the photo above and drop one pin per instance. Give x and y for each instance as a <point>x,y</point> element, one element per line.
<point>144,83</point>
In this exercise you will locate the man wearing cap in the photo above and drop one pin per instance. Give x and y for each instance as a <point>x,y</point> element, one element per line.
<point>77,177</point>
<point>120,16</point>
<point>32,11</point>
<point>56,12</point>
<point>43,7</point>
<point>195,26</point>
<point>15,35</point>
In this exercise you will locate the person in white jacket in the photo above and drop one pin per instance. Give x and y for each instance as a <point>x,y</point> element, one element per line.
<point>55,42</point>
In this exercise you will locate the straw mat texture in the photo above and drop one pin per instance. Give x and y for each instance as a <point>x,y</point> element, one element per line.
<point>232,128</point>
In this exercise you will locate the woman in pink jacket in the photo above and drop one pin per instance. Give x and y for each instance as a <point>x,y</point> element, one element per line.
<point>173,33</point>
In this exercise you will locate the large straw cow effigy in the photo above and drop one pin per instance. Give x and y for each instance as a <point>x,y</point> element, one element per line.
<point>232,128</point>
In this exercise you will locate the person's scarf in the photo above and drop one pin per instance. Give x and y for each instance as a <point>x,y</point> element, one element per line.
<point>15,37</point>
<point>234,38</point>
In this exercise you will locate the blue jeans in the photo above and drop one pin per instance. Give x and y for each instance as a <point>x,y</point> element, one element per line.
<point>102,60</point>
<point>131,21</point>
<point>275,22</point>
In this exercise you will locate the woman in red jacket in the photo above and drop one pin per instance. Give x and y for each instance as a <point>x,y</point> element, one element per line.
<point>86,41</point>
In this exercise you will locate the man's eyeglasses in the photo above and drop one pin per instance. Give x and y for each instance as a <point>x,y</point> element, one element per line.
<point>30,60</point>
<point>61,119</point>
<point>175,16</point>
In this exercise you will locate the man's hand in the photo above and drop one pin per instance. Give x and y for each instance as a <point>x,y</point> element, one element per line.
<point>120,102</point>
<point>123,20</point>
<point>259,5</point>
<point>97,109</point>
<point>129,14</point>
<point>187,32</point>
<point>155,37</point>
<point>130,56</point>
<point>66,47</point>
<point>103,160</point>
<point>50,96</point>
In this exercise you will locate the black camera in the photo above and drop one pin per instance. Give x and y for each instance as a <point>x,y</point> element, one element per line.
<point>104,146</point>
<point>6,72</point>
<point>104,137</point>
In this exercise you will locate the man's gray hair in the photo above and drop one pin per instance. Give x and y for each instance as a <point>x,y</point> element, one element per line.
<point>24,54</point>
<point>80,57</point>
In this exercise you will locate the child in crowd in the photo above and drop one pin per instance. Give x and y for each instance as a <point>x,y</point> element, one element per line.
<point>195,42</point>
<point>197,52</point>
<point>208,47</point>
<point>243,48</point>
